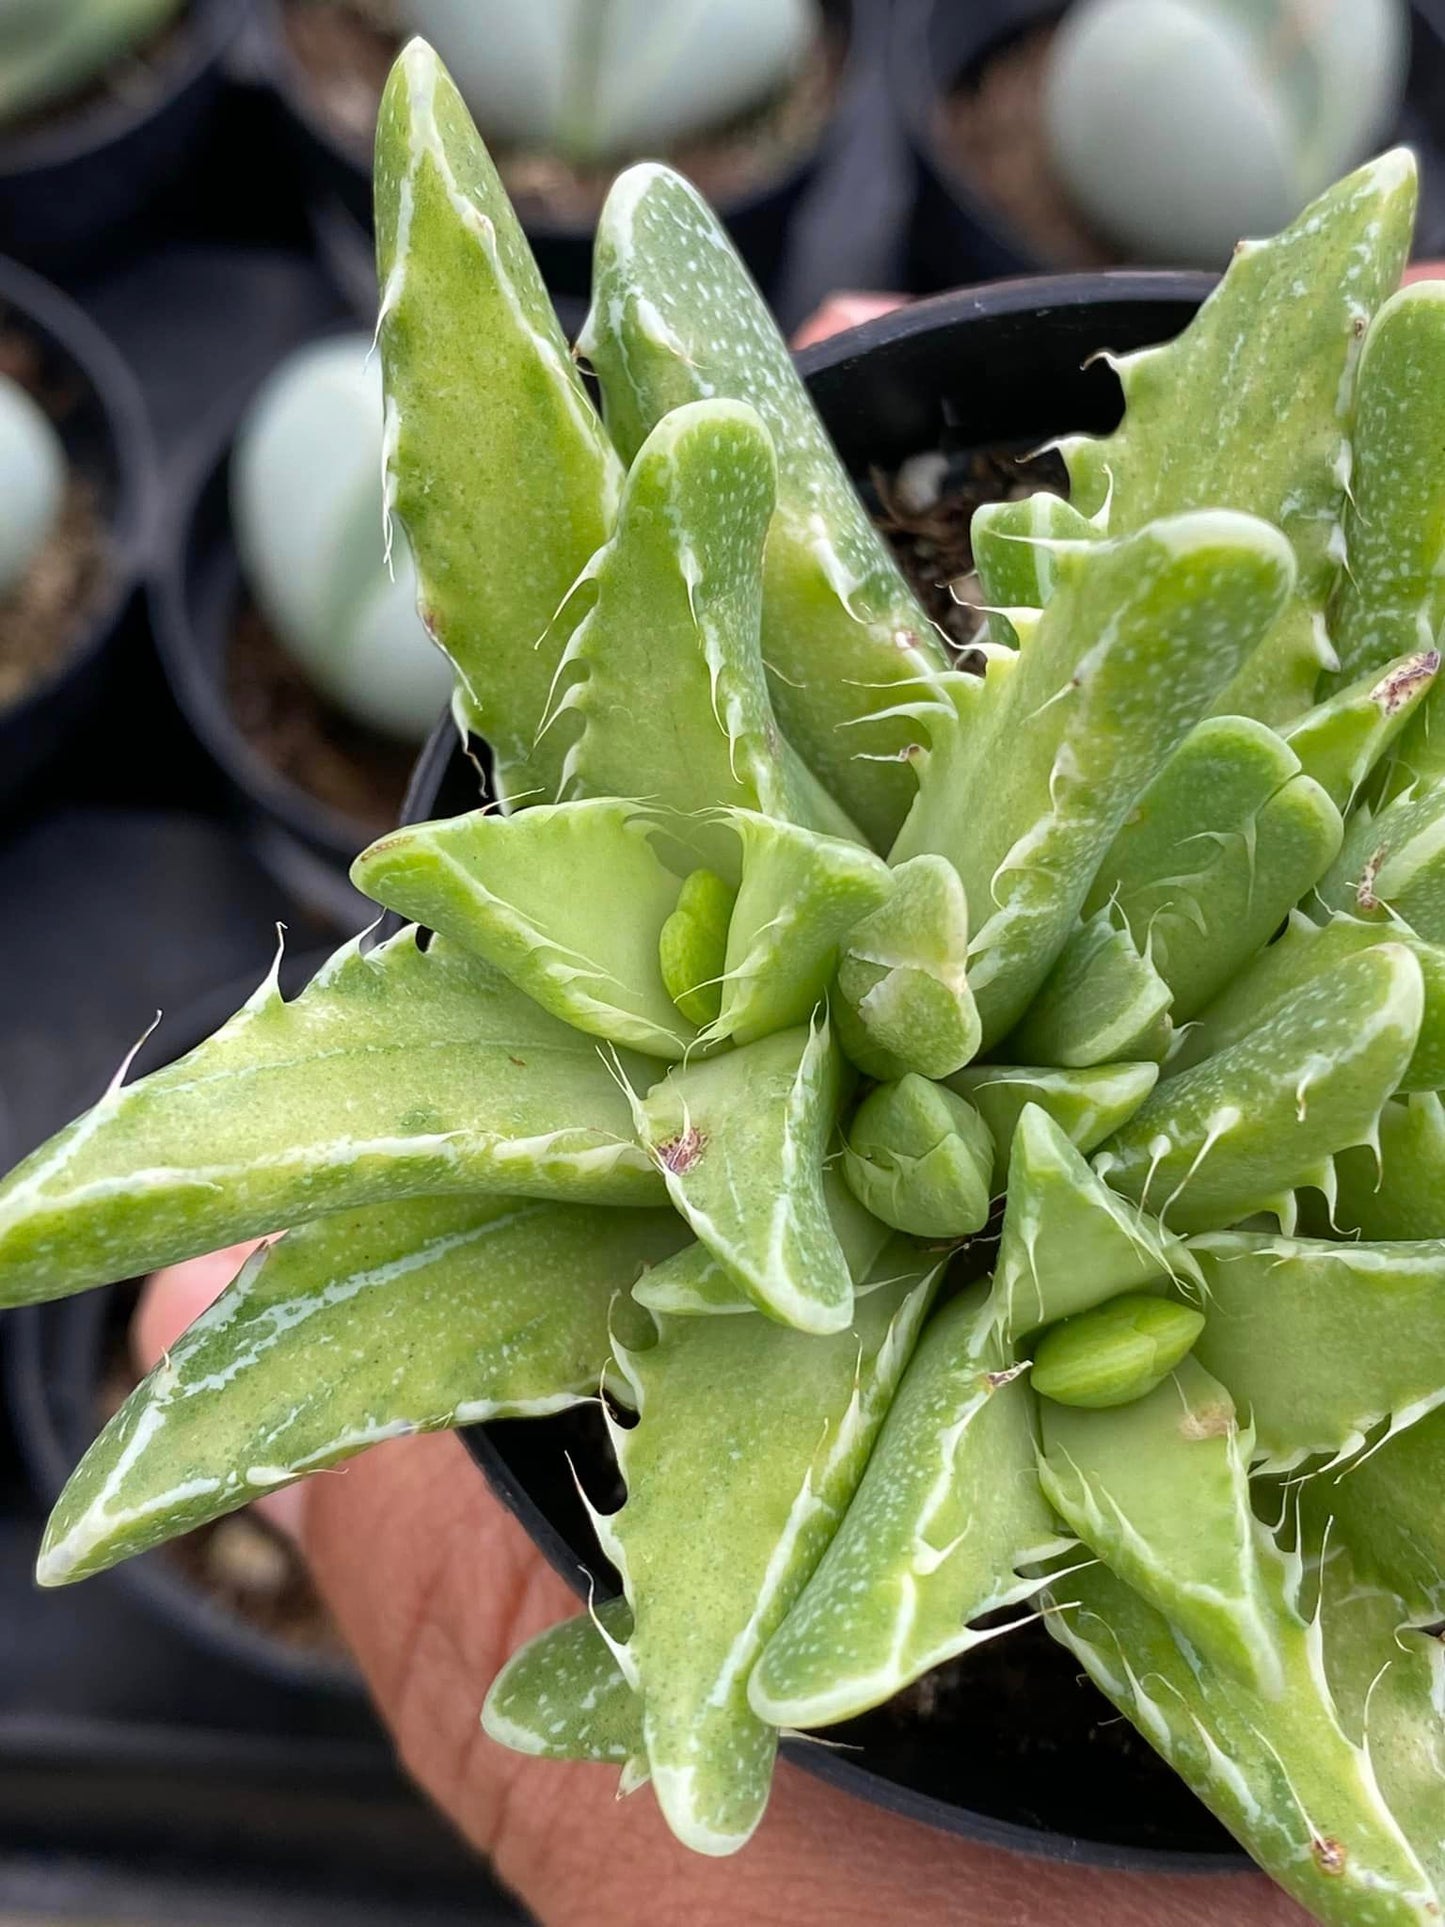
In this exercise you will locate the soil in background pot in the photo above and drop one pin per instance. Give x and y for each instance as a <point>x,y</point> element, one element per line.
<point>345,49</point>
<point>355,770</point>
<point>991,127</point>
<point>47,614</point>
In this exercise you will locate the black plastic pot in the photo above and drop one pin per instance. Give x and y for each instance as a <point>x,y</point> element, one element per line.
<point>958,235</point>
<point>97,410</point>
<point>76,192</point>
<point>196,591</point>
<point>55,1356</point>
<point>1000,365</point>
<point>338,171</point>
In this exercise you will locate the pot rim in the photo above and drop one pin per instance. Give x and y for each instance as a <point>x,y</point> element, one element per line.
<point>58,322</point>
<point>1037,295</point>
<point>211,31</point>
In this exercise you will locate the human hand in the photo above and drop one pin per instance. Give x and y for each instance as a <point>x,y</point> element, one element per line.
<point>433,1585</point>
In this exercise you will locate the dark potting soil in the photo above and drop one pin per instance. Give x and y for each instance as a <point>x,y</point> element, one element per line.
<point>134,80</point>
<point>345,48</point>
<point>238,1561</point>
<point>992,129</point>
<point>354,770</point>
<point>47,612</point>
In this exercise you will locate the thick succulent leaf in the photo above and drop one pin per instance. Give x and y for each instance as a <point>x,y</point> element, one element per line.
<point>496,461</point>
<point>693,1283</point>
<point>567,900</point>
<point>1391,600</point>
<point>675,318</point>
<point>1226,839</point>
<point>1281,1772</point>
<point>1114,1353</point>
<point>1250,408</point>
<point>948,1510</point>
<point>1237,1133</point>
<point>920,1157</point>
<point>1159,1490</point>
<point>801,894</point>
<point>1391,868</point>
<point>1385,1506</point>
<point>366,1325</point>
<point>740,1142</point>
<point>398,1072</point>
<point>1395,1187</point>
<point>1342,739</point>
<point>903,1002</point>
<point>1102,1002</point>
<point>1136,639</point>
<point>564,1696</point>
<point>1013,547</point>
<point>1321,1342</point>
<point>1068,1241</point>
<point>749,1443</point>
<point>660,692</point>
<point>1303,951</point>
<point>1088,1105</point>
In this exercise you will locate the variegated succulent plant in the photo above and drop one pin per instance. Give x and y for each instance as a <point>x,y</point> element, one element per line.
<point>791,951</point>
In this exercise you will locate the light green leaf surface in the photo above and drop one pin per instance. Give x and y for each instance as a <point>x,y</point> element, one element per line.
<point>1239,1132</point>
<point>1320,1343</point>
<point>563,1696</point>
<point>1102,1002</point>
<point>903,1001</point>
<point>675,318</point>
<point>1013,547</point>
<point>692,946</point>
<point>919,1157</point>
<point>740,1142</point>
<point>1395,1187</point>
<point>948,1510</point>
<point>1342,739</point>
<point>1391,868</point>
<point>366,1325</point>
<point>1088,1105</point>
<point>748,1446</point>
<point>1385,1506</point>
<point>1114,1353</point>
<point>478,380</point>
<point>397,1072</point>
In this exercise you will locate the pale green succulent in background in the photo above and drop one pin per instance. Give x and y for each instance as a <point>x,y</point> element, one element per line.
<point>935,1106</point>
<point>51,48</point>
<point>32,480</point>
<point>608,80</point>
<point>1179,125</point>
<point>306,496</point>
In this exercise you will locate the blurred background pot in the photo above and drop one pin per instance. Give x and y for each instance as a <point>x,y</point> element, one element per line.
<point>968,88</point>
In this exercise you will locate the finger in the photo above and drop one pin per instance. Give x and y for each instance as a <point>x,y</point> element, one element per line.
<point>842,311</point>
<point>434,1585</point>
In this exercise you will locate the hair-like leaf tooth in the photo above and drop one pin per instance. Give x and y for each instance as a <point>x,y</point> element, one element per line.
<point>903,1001</point>
<point>1391,867</point>
<point>1227,837</point>
<point>1102,1002</point>
<point>661,666</point>
<point>568,900</point>
<point>919,1157</point>
<point>749,1444</point>
<point>1394,1187</point>
<point>675,317</point>
<point>1322,1342</point>
<point>1280,1772</point>
<point>1341,740</point>
<point>740,1142</point>
<point>1014,546</point>
<point>1068,1241</point>
<point>1159,1490</point>
<point>1303,951</point>
<point>407,1317</point>
<point>692,946</point>
<point>1137,638</point>
<point>1391,600</point>
<point>1088,1105</point>
<point>1250,408</point>
<point>1385,1506</point>
<point>397,1072</point>
<point>563,1696</point>
<point>1113,1353</point>
<point>800,895</point>
<point>496,461</point>
<point>1237,1133</point>
<point>692,1283</point>
<point>947,1511</point>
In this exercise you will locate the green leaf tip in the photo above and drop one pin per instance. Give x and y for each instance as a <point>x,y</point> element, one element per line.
<point>1114,1354</point>
<point>919,1157</point>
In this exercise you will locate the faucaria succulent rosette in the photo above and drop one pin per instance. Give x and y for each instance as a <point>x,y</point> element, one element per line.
<point>978,1135</point>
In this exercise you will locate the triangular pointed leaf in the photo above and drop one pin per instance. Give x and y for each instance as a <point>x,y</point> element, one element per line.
<point>1340,741</point>
<point>564,1696</point>
<point>1087,1105</point>
<point>903,1001</point>
<point>1102,1002</point>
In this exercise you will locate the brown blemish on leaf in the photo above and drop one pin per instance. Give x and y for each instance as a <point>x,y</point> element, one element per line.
<point>1329,1855</point>
<point>995,1381</point>
<point>1209,1422</point>
<point>520,1062</point>
<point>680,1154</point>
<point>1365,891</point>
<point>1401,684</point>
